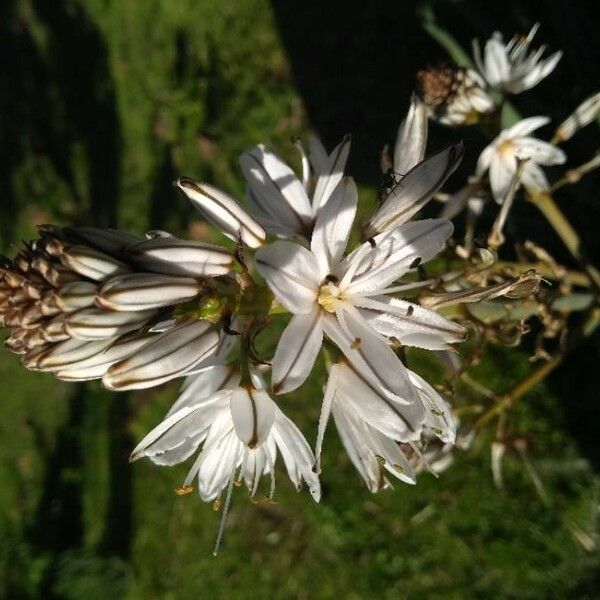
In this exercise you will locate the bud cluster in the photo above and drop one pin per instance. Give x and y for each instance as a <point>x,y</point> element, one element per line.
<point>81,301</point>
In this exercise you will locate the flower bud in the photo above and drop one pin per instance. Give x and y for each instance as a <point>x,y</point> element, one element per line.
<point>140,291</point>
<point>584,114</point>
<point>223,211</point>
<point>169,355</point>
<point>172,256</point>
<point>91,263</point>
<point>98,324</point>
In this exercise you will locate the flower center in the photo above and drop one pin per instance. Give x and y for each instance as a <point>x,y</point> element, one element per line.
<point>506,148</point>
<point>329,295</point>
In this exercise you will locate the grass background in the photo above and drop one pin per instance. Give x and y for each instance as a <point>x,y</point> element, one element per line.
<point>102,105</point>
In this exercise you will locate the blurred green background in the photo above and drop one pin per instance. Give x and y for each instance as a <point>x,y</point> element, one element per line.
<point>102,104</point>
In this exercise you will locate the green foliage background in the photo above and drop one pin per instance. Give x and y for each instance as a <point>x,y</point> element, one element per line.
<point>108,102</point>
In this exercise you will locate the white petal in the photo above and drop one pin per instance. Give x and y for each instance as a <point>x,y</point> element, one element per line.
<point>502,171</point>
<point>355,438</point>
<point>223,211</point>
<point>497,67</point>
<point>411,139</point>
<point>102,360</point>
<point>253,415</point>
<point>328,180</point>
<point>401,422</point>
<point>370,356</point>
<point>533,177</point>
<point>483,163</point>
<point>319,159</point>
<point>70,351</point>
<point>297,455</point>
<point>415,190</point>
<point>539,151</point>
<point>297,351</point>
<point>543,69</point>
<point>292,273</point>
<point>525,127</point>
<point>276,188</point>
<point>440,419</point>
<point>334,224</point>
<point>204,383</point>
<point>181,428</point>
<point>410,324</point>
<point>221,455</point>
<point>406,247</point>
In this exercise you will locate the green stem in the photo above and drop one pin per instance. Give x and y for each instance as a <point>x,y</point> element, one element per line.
<point>507,401</point>
<point>546,205</point>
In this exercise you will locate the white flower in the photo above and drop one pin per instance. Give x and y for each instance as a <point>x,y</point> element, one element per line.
<point>240,430</point>
<point>500,157</point>
<point>511,67</point>
<point>280,200</point>
<point>372,426</point>
<point>345,297</point>
<point>454,96</point>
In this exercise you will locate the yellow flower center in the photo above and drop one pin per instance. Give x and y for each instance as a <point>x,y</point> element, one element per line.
<point>329,296</point>
<point>506,148</point>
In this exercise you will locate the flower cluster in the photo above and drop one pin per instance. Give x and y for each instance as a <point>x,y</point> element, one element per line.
<point>464,96</point>
<point>136,312</point>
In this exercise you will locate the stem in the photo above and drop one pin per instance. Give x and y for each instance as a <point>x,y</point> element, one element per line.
<point>546,271</point>
<point>508,400</point>
<point>573,176</point>
<point>546,205</point>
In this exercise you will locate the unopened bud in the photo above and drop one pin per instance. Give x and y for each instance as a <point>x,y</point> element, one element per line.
<point>140,291</point>
<point>223,211</point>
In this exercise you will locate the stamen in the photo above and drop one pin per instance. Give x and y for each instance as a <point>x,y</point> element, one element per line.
<point>424,462</point>
<point>225,511</point>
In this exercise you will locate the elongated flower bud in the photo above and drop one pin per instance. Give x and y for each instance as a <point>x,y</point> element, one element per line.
<point>74,296</point>
<point>223,211</point>
<point>91,263</point>
<point>142,291</point>
<point>110,241</point>
<point>169,355</point>
<point>584,114</point>
<point>172,256</point>
<point>95,366</point>
<point>98,324</point>
<point>68,352</point>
